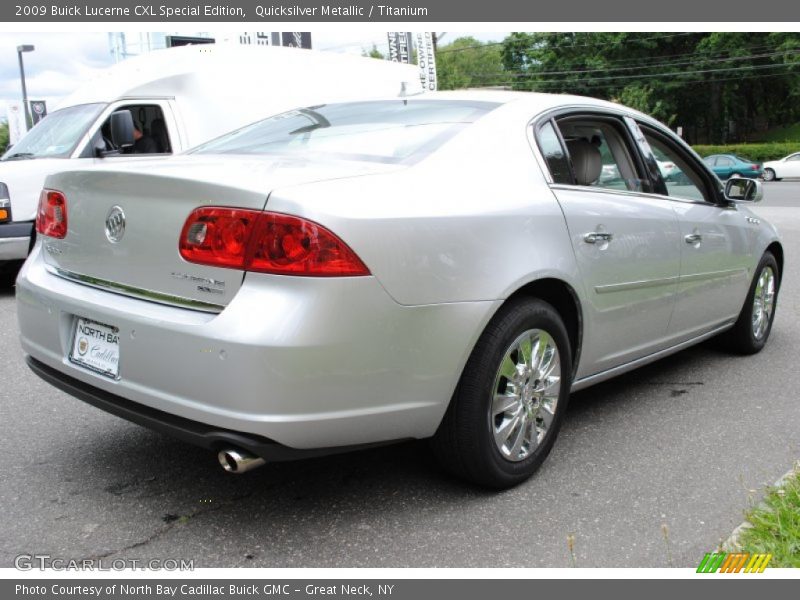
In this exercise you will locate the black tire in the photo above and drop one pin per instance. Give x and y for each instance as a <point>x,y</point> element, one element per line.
<point>742,338</point>
<point>464,443</point>
<point>735,175</point>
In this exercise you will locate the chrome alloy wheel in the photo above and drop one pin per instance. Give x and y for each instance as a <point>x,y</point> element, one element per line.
<point>525,394</point>
<point>763,302</point>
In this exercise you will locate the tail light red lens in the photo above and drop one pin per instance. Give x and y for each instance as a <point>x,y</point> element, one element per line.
<point>266,242</point>
<point>51,219</point>
<point>217,236</point>
<point>755,167</point>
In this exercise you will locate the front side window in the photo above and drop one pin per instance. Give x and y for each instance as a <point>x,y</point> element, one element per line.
<point>681,178</point>
<point>381,131</point>
<point>151,135</point>
<point>57,135</point>
<point>794,157</point>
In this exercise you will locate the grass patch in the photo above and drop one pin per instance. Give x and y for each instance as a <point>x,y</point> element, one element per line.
<point>776,525</point>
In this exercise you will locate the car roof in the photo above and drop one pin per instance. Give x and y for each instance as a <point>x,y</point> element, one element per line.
<point>530,104</point>
<point>531,99</point>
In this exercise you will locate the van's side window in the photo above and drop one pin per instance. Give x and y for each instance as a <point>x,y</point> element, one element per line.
<point>150,130</point>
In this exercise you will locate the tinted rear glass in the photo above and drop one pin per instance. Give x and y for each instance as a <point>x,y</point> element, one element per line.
<point>383,131</point>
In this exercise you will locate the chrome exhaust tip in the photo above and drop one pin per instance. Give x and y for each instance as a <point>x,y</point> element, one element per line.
<point>238,461</point>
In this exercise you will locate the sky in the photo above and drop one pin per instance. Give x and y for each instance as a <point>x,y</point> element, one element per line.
<point>63,61</point>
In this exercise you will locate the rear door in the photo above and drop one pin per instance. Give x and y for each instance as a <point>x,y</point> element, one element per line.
<point>724,167</point>
<point>626,241</point>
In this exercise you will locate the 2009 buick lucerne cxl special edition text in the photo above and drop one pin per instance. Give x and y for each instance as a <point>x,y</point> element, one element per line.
<point>447,266</point>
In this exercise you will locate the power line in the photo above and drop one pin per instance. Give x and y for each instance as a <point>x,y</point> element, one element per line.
<point>589,80</point>
<point>559,46</point>
<point>668,83</point>
<point>535,72</point>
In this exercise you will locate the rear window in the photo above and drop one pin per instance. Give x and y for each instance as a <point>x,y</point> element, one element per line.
<point>382,131</point>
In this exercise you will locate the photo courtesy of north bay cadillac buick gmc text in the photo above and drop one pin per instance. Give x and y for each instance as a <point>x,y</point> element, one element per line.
<point>444,265</point>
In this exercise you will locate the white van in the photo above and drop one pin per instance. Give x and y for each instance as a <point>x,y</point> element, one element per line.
<point>178,98</point>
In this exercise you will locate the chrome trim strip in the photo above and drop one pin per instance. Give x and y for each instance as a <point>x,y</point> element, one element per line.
<point>634,285</point>
<point>648,283</point>
<point>586,382</point>
<point>713,275</point>
<point>138,293</point>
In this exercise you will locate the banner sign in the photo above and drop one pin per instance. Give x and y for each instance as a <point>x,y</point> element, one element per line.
<point>16,122</point>
<point>400,46</point>
<point>426,59</point>
<point>38,110</point>
<point>459,11</point>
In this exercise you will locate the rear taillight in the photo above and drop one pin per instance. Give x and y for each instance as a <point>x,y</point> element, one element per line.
<point>51,220</point>
<point>755,168</point>
<point>266,242</point>
<point>5,204</point>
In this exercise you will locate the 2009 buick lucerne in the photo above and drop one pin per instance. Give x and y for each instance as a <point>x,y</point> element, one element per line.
<point>447,266</point>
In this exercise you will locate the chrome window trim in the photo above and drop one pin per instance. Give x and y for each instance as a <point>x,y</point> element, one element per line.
<point>134,292</point>
<point>585,188</point>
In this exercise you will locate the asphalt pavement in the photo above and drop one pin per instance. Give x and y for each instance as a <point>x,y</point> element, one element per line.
<point>651,469</point>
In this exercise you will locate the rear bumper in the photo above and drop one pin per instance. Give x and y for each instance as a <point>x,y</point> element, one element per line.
<point>15,240</point>
<point>306,363</point>
<point>188,431</point>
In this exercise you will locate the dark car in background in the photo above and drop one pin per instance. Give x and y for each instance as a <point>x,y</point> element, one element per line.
<point>730,165</point>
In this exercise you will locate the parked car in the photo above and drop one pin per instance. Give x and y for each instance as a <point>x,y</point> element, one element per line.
<point>179,97</point>
<point>789,166</point>
<point>447,266</point>
<point>730,165</point>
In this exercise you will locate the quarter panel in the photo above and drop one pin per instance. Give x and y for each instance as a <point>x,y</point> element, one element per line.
<point>475,221</point>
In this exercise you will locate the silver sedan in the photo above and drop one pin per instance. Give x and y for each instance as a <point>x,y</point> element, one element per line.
<point>448,266</point>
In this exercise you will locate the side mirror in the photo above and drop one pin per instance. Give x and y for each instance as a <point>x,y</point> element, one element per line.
<point>122,128</point>
<point>738,189</point>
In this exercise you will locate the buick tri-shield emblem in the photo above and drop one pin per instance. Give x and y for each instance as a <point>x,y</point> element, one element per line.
<point>115,224</point>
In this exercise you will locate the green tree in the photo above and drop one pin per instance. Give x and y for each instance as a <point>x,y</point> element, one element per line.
<point>3,135</point>
<point>720,87</point>
<point>467,62</point>
<point>374,53</point>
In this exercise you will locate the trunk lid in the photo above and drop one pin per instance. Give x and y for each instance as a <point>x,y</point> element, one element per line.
<point>156,197</point>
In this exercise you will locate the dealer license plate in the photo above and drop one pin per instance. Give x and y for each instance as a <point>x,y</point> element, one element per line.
<point>95,346</point>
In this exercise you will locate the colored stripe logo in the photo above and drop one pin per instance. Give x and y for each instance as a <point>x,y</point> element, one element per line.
<point>736,562</point>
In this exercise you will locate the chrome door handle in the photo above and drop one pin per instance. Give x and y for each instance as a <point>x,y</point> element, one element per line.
<point>597,236</point>
<point>693,238</point>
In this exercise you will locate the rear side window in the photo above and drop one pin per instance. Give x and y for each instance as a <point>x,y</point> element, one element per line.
<point>554,154</point>
<point>601,153</point>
